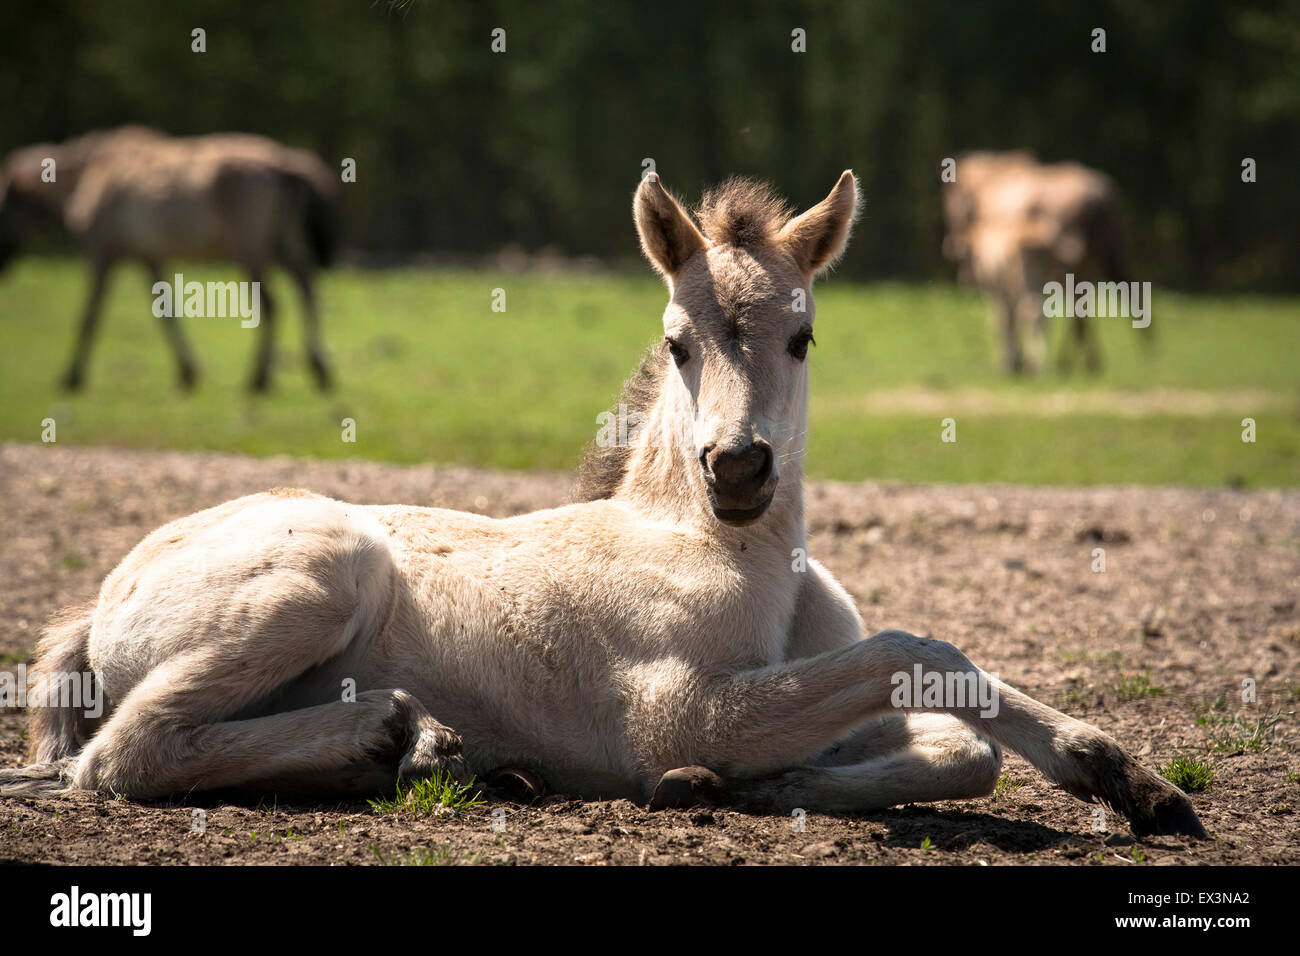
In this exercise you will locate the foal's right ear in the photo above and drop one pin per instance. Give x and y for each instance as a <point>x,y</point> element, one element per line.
<point>668,236</point>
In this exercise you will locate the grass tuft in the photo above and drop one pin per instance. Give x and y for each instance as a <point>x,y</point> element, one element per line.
<point>434,794</point>
<point>424,856</point>
<point>1136,687</point>
<point>1006,786</point>
<point>1188,774</point>
<point>1236,734</point>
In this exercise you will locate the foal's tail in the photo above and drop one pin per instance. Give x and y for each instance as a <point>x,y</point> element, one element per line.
<point>59,723</point>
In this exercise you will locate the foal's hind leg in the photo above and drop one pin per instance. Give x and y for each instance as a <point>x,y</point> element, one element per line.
<point>233,670</point>
<point>157,743</point>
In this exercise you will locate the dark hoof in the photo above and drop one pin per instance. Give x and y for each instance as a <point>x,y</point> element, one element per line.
<point>688,787</point>
<point>517,784</point>
<point>71,382</point>
<point>1154,806</point>
<point>324,378</point>
<point>189,378</point>
<point>1171,815</point>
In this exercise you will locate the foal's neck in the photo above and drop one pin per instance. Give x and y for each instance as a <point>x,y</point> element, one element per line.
<point>664,480</point>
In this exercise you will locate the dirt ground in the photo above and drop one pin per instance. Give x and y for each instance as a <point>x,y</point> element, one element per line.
<point>1200,589</point>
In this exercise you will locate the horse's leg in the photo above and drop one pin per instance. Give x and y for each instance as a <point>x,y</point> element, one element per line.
<point>75,375</point>
<point>261,379</point>
<point>767,721</point>
<point>232,667</point>
<point>311,328</point>
<point>1011,354</point>
<point>157,743</point>
<point>906,758</point>
<point>189,372</point>
<point>1085,337</point>
<point>1030,314</point>
<point>178,728</point>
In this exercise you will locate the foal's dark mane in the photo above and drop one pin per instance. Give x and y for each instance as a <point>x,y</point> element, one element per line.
<point>740,212</point>
<point>603,468</point>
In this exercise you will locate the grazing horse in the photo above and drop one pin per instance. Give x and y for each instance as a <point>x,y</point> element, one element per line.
<point>665,636</point>
<point>1014,224</point>
<point>133,193</point>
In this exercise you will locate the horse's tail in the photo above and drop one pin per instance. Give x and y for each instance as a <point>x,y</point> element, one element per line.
<point>60,725</point>
<point>60,695</point>
<point>322,226</point>
<point>319,216</point>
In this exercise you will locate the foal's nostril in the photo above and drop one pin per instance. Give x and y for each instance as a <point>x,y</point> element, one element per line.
<point>750,466</point>
<point>704,457</point>
<point>765,466</point>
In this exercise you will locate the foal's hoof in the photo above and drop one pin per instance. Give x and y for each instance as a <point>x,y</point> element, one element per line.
<point>435,750</point>
<point>517,784</point>
<point>1151,803</point>
<point>1169,813</point>
<point>688,787</point>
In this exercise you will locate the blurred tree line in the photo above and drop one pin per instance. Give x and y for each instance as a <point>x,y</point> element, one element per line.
<point>462,149</point>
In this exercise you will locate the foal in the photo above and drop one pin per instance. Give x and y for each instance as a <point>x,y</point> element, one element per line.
<point>287,640</point>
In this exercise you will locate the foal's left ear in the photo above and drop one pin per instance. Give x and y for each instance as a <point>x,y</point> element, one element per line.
<point>818,237</point>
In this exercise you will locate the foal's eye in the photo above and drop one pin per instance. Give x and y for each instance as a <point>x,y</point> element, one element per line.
<point>798,346</point>
<point>679,354</point>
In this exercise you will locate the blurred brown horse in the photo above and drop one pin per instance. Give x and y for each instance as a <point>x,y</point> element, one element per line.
<point>134,193</point>
<point>1014,224</point>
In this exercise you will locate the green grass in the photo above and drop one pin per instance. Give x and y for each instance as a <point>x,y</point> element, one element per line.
<point>424,856</point>
<point>1188,774</point>
<point>1006,786</point>
<point>430,373</point>
<point>430,795</point>
<point>1136,686</point>
<point>1235,733</point>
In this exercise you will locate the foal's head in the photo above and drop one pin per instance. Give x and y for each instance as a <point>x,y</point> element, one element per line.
<point>739,324</point>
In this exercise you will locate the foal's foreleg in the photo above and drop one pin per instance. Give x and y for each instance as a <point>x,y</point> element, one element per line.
<point>923,758</point>
<point>769,720</point>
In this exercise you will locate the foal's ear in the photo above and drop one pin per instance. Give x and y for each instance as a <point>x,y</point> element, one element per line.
<point>818,237</point>
<point>667,234</point>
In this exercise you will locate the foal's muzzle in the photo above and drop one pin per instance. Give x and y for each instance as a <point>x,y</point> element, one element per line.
<point>740,481</point>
